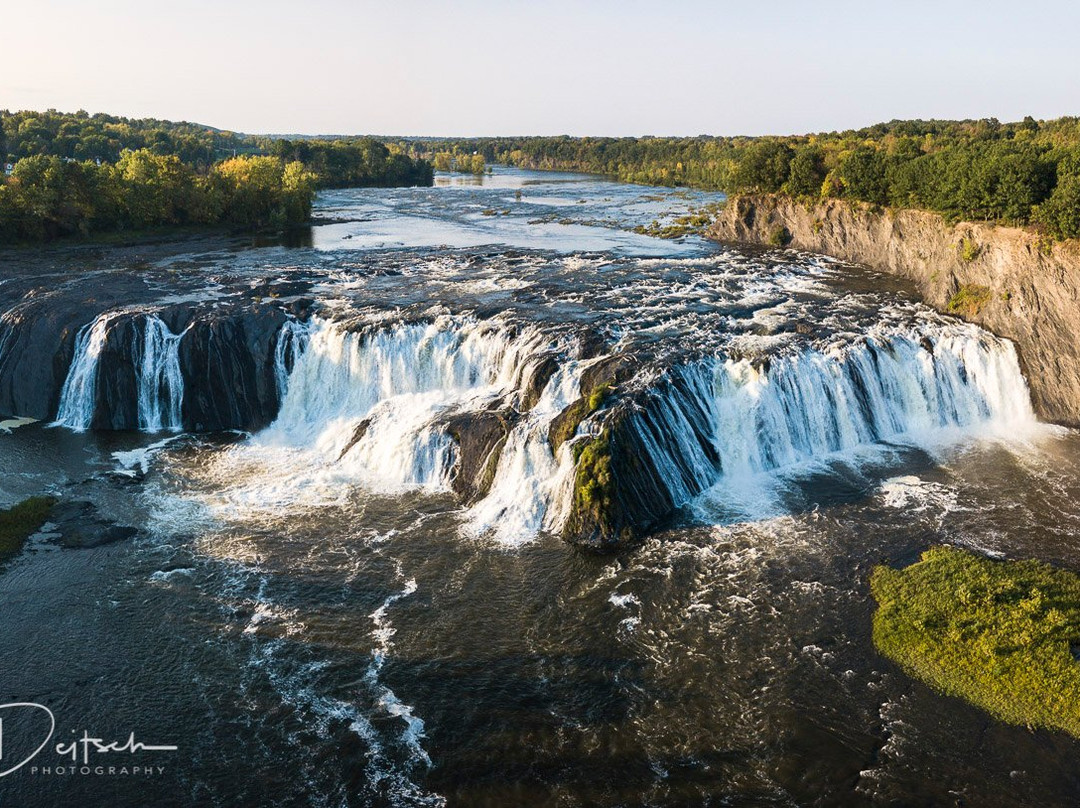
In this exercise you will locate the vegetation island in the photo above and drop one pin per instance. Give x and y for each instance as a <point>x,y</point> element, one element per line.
<point>1002,635</point>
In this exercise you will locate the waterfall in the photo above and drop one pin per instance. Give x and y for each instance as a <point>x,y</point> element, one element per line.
<point>154,352</point>
<point>532,487</point>
<point>371,408</point>
<point>340,376</point>
<point>160,383</point>
<point>79,393</point>
<point>729,418</point>
<point>367,406</point>
<point>291,342</point>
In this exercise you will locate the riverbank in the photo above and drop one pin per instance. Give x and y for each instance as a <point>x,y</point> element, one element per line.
<point>1008,280</point>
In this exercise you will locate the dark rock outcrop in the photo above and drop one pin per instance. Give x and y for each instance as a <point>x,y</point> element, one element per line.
<point>37,341</point>
<point>480,437</point>
<point>634,474</point>
<point>227,361</point>
<point>80,525</point>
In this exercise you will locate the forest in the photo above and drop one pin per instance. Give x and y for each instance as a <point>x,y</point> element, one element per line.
<point>80,174</point>
<point>1025,173</point>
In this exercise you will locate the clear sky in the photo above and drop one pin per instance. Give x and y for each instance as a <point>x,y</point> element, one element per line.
<point>481,67</point>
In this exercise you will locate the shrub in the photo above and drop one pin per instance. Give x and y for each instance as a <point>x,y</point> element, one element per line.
<point>968,249</point>
<point>996,634</point>
<point>779,237</point>
<point>969,300</point>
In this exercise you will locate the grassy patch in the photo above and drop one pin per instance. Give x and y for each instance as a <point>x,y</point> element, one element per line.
<point>1000,635</point>
<point>20,522</point>
<point>969,300</point>
<point>693,223</point>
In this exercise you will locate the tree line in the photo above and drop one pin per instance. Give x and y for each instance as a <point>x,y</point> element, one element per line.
<point>1025,173</point>
<point>77,174</point>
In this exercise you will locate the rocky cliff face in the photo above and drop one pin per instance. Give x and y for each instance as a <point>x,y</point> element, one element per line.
<point>1005,279</point>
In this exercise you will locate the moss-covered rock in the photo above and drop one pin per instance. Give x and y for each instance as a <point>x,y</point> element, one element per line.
<point>597,386</point>
<point>1001,635</point>
<point>20,522</point>
<point>595,517</point>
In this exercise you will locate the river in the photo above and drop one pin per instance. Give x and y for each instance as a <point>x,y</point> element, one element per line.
<point>318,610</point>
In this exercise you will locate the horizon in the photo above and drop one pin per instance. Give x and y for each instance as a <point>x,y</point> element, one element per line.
<point>624,70</point>
<point>511,136</point>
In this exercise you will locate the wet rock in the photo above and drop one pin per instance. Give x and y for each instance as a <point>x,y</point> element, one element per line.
<point>480,437</point>
<point>37,341</point>
<point>80,525</point>
<point>227,362</point>
<point>358,435</point>
<point>537,377</point>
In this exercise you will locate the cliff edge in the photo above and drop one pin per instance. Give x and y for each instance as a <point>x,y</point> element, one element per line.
<point>1006,279</point>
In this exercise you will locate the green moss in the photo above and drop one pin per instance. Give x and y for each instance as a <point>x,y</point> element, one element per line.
<point>599,395</point>
<point>594,488</point>
<point>566,423</point>
<point>969,300</point>
<point>779,237</point>
<point>968,249</point>
<point>999,635</point>
<point>20,522</point>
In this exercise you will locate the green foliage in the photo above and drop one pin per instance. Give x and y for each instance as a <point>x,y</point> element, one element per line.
<point>353,163</point>
<point>263,191</point>
<point>81,175</point>
<point>969,250</point>
<point>808,171</point>
<point>20,522</point>
<point>594,487</point>
<point>462,163</point>
<point>694,222</point>
<point>779,237</point>
<point>996,634</point>
<point>79,136</point>
<point>47,197</point>
<point>1060,214</point>
<point>969,300</point>
<point>764,165</point>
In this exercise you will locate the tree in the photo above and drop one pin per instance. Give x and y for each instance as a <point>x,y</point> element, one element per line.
<point>765,166</point>
<point>807,171</point>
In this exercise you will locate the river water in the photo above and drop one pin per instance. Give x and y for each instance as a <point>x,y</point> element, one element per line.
<point>311,616</point>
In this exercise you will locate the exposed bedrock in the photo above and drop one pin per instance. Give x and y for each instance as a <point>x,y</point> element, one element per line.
<point>176,368</point>
<point>480,437</point>
<point>1006,279</point>
<point>228,369</point>
<point>654,451</point>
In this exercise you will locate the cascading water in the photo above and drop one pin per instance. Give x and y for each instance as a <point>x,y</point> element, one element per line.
<point>79,394</point>
<point>160,382</point>
<point>155,356</point>
<point>725,418</point>
<point>531,489</point>
<point>367,407</point>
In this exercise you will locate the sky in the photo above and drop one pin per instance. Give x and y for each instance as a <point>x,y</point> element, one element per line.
<point>593,67</point>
